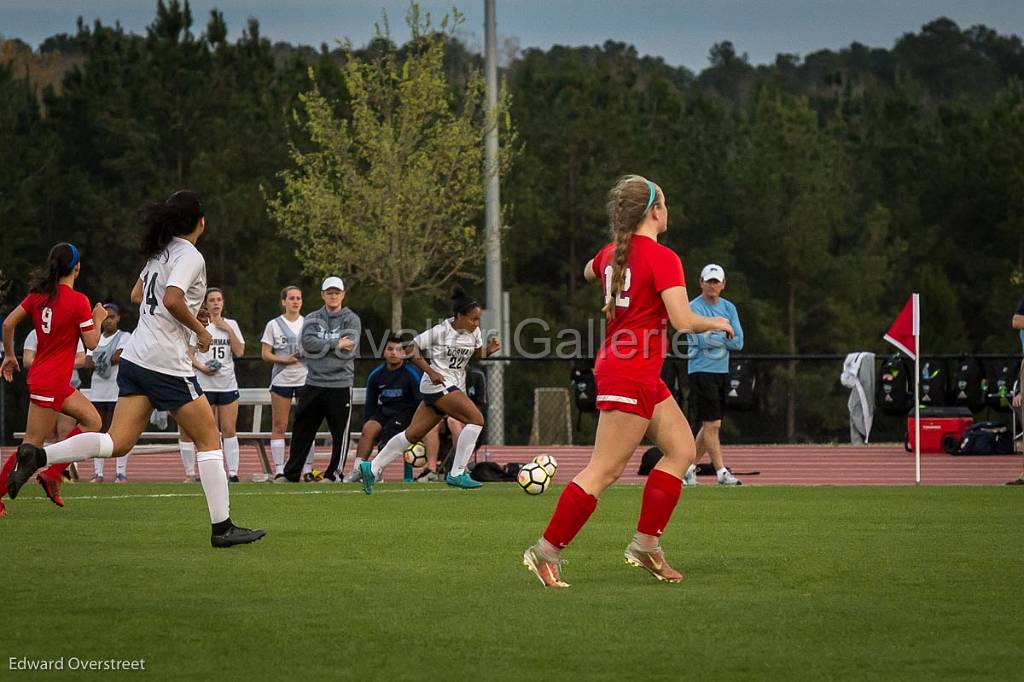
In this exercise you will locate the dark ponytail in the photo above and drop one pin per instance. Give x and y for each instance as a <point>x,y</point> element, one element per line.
<point>461,303</point>
<point>60,262</point>
<point>166,220</point>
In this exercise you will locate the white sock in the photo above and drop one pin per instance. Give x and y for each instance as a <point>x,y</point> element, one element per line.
<point>98,466</point>
<point>215,483</point>
<point>464,448</point>
<point>188,457</point>
<point>389,453</point>
<point>122,465</point>
<point>692,469</point>
<point>80,448</point>
<point>277,454</point>
<point>231,454</point>
<point>308,466</point>
<point>722,472</point>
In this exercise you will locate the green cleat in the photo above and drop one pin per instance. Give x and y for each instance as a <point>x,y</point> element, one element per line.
<point>366,471</point>
<point>462,481</point>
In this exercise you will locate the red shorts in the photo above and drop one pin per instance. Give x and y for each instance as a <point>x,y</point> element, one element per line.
<point>48,396</point>
<point>629,395</point>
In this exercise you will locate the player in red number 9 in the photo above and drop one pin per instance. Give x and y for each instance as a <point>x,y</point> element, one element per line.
<point>643,286</point>
<point>61,317</point>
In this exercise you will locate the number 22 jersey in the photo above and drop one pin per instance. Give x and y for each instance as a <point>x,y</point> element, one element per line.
<point>160,342</point>
<point>636,339</point>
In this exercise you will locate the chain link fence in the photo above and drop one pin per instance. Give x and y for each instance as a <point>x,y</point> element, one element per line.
<point>532,401</point>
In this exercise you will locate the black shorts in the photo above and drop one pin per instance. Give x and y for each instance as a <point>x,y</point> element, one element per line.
<point>221,397</point>
<point>165,391</point>
<point>431,398</point>
<point>287,391</point>
<point>707,397</point>
<point>391,424</point>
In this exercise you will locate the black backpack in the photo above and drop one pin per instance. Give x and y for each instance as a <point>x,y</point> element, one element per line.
<point>968,389</point>
<point>492,472</point>
<point>1000,377</point>
<point>476,388</point>
<point>986,438</point>
<point>896,385</point>
<point>934,377</point>
<point>649,460</point>
<point>584,386</point>
<point>742,392</point>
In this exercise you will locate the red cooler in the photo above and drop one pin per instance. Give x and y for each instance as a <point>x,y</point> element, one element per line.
<point>936,424</point>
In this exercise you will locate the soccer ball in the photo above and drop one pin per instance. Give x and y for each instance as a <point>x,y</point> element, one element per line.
<point>416,455</point>
<point>548,463</point>
<point>533,479</point>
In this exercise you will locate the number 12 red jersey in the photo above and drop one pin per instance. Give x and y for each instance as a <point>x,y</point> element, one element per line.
<point>637,338</point>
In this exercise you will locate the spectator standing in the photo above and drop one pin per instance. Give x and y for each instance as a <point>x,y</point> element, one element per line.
<point>708,367</point>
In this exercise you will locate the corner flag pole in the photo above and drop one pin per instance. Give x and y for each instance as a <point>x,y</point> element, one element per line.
<point>917,390</point>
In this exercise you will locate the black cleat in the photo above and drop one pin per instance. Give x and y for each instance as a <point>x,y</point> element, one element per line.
<point>30,460</point>
<point>232,479</point>
<point>236,536</point>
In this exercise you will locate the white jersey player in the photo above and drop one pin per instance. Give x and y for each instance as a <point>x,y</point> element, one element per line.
<point>450,346</point>
<point>280,345</point>
<point>216,367</point>
<point>155,370</point>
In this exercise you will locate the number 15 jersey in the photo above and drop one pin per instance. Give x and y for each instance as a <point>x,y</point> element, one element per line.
<point>160,342</point>
<point>636,339</point>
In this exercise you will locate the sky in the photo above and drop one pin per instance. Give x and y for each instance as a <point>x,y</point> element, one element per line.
<point>680,31</point>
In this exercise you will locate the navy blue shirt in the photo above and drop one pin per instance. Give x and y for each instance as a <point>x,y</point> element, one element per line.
<point>391,392</point>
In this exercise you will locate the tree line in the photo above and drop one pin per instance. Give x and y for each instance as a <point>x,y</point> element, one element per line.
<point>828,186</point>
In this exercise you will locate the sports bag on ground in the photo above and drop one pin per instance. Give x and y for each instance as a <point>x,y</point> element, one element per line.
<point>986,438</point>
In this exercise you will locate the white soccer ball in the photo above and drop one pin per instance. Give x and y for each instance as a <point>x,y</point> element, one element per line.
<point>533,478</point>
<point>416,455</point>
<point>548,463</point>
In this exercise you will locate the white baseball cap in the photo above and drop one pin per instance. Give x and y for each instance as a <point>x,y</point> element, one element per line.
<point>332,283</point>
<point>712,271</point>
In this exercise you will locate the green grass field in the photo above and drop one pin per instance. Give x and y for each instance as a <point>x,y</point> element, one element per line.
<point>421,582</point>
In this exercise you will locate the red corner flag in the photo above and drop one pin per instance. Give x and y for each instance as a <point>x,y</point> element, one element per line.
<point>904,331</point>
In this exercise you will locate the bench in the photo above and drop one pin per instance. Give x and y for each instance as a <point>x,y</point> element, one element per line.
<point>257,398</point>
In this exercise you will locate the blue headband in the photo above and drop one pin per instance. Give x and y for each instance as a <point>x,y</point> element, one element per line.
<point>650,199</point>
<point>74,259</point>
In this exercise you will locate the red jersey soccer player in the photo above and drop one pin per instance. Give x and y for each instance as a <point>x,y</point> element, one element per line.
<point>643,286</point>
<point>61,316</point>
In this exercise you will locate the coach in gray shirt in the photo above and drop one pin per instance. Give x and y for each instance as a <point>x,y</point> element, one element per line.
<point>330,344</point>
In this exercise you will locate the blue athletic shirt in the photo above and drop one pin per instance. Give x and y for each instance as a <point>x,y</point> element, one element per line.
<point>392,392</point>
<point>709,352</point>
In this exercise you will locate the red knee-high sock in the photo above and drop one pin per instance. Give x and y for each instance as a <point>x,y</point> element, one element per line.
<point>12,460</point>
<point>575,505</point>
<point>661,493</point>
<point>54,471</point>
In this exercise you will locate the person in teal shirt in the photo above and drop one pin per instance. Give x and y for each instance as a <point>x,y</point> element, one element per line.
<point>708,366</point>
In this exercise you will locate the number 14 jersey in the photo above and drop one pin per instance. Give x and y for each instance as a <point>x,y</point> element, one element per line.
<point>636,339</point>
<point>160,342</point>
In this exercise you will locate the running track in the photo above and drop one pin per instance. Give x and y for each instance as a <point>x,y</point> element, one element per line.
<point>778,465</point>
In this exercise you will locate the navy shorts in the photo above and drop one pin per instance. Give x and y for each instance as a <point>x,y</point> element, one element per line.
<point>431,398</point>
<point>165,391</point>
<point>221,397</point>
<point>287,391</point>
